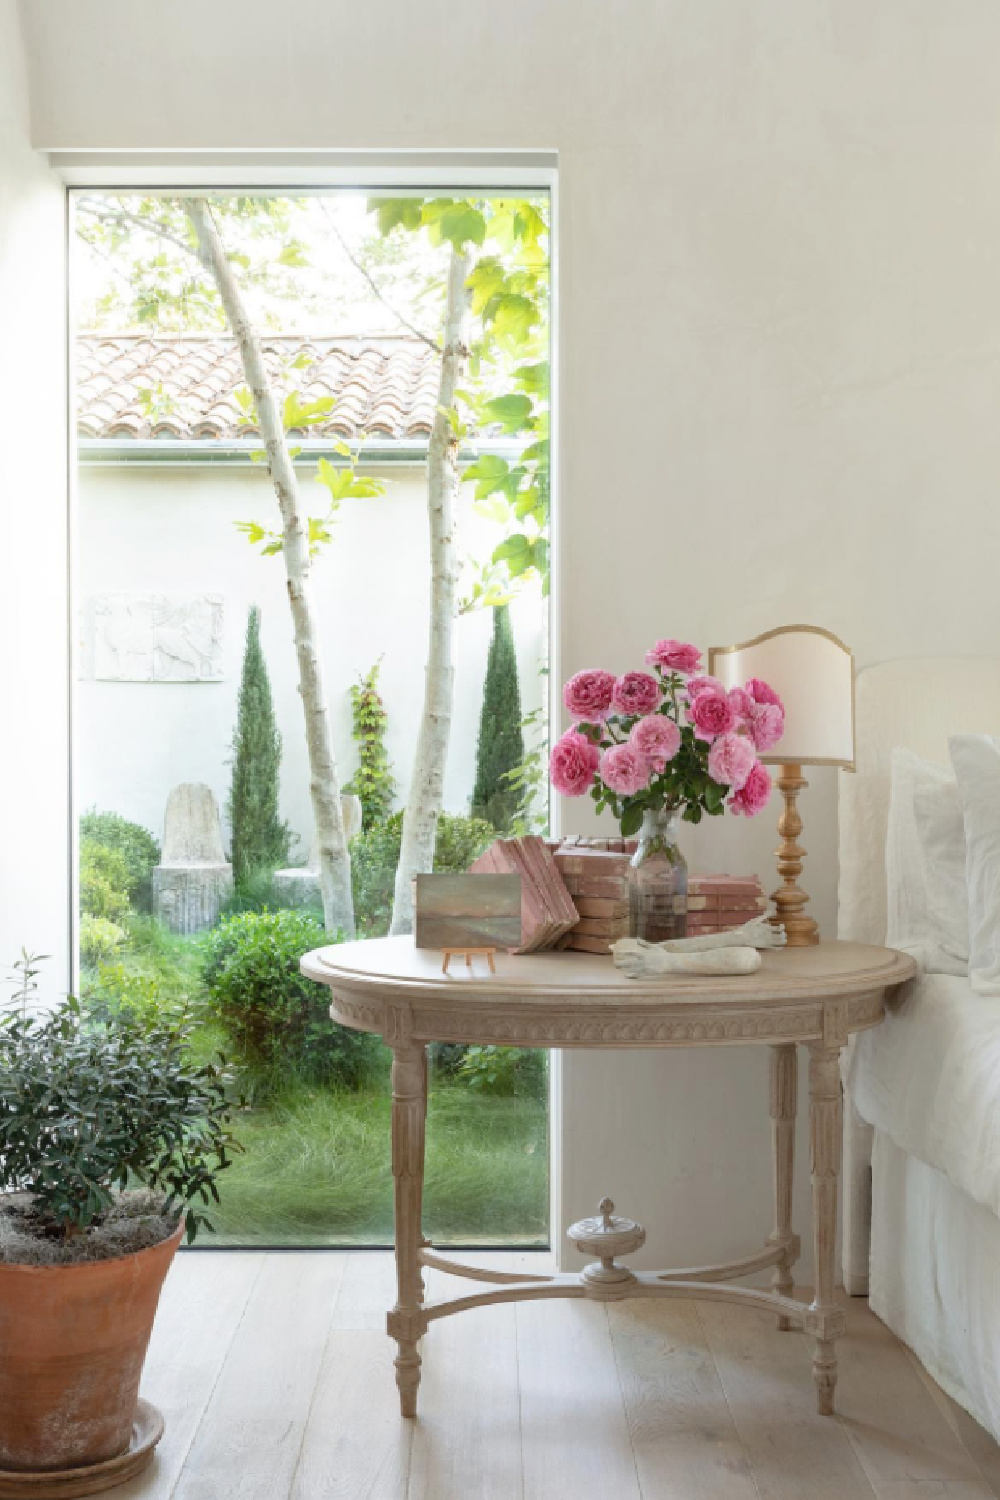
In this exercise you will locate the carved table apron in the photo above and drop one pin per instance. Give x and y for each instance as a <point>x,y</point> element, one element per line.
<point>815,996</point>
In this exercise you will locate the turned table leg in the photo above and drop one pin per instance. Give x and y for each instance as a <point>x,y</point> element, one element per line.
<point>406,1322</point>
<point>784,1101</point>
<point>824,1320</point>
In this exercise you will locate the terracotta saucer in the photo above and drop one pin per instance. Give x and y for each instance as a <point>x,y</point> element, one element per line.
<point>61,1484</point>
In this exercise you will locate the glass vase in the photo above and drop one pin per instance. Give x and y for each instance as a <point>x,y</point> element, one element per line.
<point>657,881</point>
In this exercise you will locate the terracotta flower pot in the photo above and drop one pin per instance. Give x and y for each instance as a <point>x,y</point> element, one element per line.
<point>73,1341</point>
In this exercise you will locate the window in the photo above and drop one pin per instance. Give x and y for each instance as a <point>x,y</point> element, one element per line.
<point>377,323</point>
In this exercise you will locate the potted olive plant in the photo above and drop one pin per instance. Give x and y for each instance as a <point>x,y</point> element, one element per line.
<point>111,1140</point>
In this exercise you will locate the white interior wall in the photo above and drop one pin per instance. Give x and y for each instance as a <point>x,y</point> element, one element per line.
<point>34,772</point>
<point>778,331</point>
<point>171,530</point>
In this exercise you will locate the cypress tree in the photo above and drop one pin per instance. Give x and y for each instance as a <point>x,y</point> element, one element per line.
<point>501,743</point>
<point>261,841</point>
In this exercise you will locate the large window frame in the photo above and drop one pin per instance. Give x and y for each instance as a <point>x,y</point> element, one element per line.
<point>399,172</point>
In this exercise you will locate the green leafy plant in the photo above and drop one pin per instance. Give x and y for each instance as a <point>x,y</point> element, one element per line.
<point>500,750</point>
<point>259,892</point>
<point>103,883</point>
<point>375,855</point>
<point>137,846</point>
<point>373,781</point>
<point>153,970</point>
<point>529,781</point>
<point>260,840</point>
<point>459,841</point>
<point>99,939</point>
<point>93,1100</point>
<point>503,1071</point>
<point>275,1017</point>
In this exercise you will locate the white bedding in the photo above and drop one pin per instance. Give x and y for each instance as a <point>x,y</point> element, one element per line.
<point>935,1277</point>
<point>930,1079</point>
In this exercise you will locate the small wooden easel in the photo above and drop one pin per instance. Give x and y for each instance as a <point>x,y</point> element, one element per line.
<point>470,954</point>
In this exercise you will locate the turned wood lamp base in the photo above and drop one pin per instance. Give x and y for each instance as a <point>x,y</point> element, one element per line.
<point>789,899</point>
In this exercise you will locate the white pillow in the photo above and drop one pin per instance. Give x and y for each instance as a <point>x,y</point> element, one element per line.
<point>927,901</point>
<point>976,758</point>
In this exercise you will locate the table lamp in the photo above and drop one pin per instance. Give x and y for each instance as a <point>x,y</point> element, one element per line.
<point>813,674</point>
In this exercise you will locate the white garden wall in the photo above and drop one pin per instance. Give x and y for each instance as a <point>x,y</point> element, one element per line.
<point>170,529</point>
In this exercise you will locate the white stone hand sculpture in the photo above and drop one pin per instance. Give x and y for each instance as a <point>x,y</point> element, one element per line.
<point>641,960</point>
<point>760,933</point>
<point>733,952</point>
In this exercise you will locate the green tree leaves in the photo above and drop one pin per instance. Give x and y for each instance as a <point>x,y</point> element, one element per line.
<point>512,412</point>
<point>392,211</point>
<point>508,287</point>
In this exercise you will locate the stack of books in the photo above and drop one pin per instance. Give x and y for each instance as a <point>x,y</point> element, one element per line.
<point>548,913</point>
<point>575,894</point>
<point>718,903</point>
<point>597,880</point>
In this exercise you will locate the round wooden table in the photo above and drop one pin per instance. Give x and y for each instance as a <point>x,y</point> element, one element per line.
<point>815,996</point>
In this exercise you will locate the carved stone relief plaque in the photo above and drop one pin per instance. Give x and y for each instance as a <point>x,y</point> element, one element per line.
<point>156,637</point>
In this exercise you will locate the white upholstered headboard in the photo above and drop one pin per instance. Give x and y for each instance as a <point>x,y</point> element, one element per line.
<point>916,704</point>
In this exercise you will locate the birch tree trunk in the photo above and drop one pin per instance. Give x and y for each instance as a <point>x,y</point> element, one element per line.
<point>324,789</point>
<point>423,804</point>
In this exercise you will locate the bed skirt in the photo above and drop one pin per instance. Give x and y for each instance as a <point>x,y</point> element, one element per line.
<point>935,1277</point>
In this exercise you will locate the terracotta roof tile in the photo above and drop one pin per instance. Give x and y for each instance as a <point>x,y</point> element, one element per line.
<point>385,385</point>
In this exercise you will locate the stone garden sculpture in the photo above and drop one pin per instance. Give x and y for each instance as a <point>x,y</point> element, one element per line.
<point>194,878</point>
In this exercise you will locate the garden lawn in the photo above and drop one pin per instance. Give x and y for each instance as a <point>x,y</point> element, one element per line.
<point>316,1170</point>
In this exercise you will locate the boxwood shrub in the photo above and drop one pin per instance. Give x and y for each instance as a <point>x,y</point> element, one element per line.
<point>277,1020</point>
<point>139,851</point>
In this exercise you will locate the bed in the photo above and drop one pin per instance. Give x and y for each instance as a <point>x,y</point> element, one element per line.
<point>921,1219</point>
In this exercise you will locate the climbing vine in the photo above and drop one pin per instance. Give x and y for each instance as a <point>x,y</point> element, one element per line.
<point>373,781</point>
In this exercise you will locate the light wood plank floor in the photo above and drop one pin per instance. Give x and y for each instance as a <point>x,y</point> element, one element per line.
<point>275,1377</point>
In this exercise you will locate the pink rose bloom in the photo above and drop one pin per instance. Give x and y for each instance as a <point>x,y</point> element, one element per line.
<point>765,724</point>
<point>675,656</point>
<point>711,713</point>
<point>730,760</point>
<point>587,696</point>
<point>657,738</point>
<point>742,702</point>
<point>636,693</point>
<point>754,793</point>
<point>701,684</point>
<point>573,763</point>
<point>761,692</point>
<point>625,770</point>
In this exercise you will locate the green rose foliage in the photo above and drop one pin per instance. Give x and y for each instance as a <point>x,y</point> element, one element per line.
<point>278,1020</point>
<point>94,1100</point>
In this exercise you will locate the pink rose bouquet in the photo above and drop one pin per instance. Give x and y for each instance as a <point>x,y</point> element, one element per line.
<point>667,739</point>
